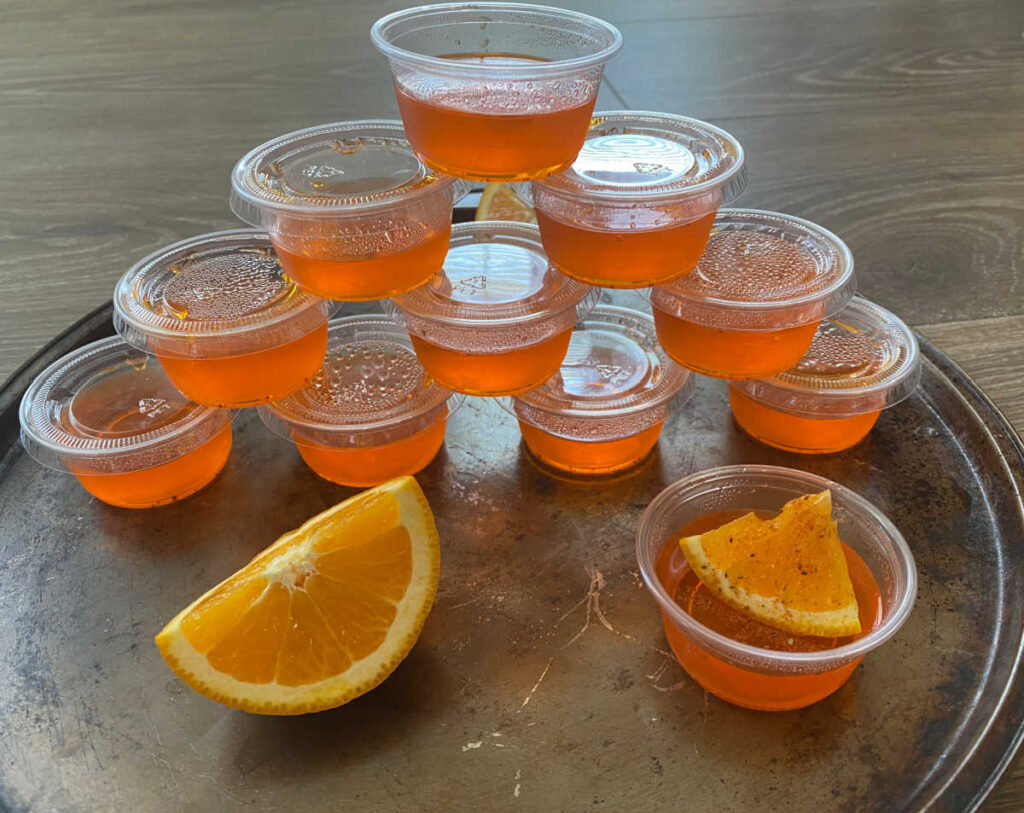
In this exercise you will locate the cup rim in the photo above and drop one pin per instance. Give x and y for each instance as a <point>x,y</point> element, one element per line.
<point>828,658</point>
<point>541,69</point>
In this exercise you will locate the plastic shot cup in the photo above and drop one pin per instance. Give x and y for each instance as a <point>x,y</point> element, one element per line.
<point>861,361</point>
<point>881,569</point>
<point>603,411</point>
<point>352,212</point>
<point>108,414</point>
<point>228,325</point>
<point>751,306</point>
<point>371,413</point>
<point>495,91</point>
<point>497,319</point>
<point>637,205</point>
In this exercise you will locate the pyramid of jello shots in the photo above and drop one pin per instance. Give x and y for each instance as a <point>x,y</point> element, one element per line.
<point>362,210</point>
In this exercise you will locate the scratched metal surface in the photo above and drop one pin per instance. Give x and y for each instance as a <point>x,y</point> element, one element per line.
<point>541,680</point>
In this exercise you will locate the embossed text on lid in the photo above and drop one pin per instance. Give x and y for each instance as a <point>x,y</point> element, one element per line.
<point>210,286</point>
<point>348,166</point>
<point>631,154</point>
<point>108,399</point>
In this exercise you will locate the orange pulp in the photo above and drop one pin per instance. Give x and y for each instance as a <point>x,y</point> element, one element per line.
<point>624,259</point>
<point>464,132</point>
<point>732,354</point>
<point>589,457</point>
<point>503,373</point>
<point>161,484</point>
<point>372,465</point>
<point>795,433</point>
<point>748,687</point>
<point>253,378</point>
<point>331,272</point>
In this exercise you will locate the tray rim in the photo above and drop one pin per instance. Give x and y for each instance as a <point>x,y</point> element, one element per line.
<point>97,324</point>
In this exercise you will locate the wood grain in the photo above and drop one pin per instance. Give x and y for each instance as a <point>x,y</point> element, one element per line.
<point>899,124</point>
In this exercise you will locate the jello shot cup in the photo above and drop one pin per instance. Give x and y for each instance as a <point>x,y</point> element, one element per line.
<point>862,360</point>
<point>108,414</point>
<point>752,304</point>
<point>352,212</point>
<point>712,642</point>
<point>371,413</point>
<point>603,411</point>
<point>497,318</point>
<point>228,325</point>
<point>636,207</point>
<point>495,91</point>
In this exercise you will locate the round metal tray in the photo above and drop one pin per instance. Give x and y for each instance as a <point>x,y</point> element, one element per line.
<point>541,681</point>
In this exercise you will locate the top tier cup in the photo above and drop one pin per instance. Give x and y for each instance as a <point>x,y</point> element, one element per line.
<point>496,91</point>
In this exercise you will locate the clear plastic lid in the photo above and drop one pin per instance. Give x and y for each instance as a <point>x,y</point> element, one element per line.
<point>615,380</point>
<point>110,401</point>
<point>495,274</point>
<point>332,170</point>
<point>762,271</point>
<point>862,359</point>
<point>371,389</point>
<point>637,156</point>
<point>211,287</point>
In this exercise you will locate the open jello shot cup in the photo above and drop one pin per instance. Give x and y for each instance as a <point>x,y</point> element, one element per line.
<point>752,304</point>
<point>228,325</point>
<point>495,91</point>
<point>352,212</point>
<point>861,361</point>
<point>603,411</point>
<point>497,318</point>
<point>712,642</point>
<point>371,413</point>
<point>108,414</point>
<point>637,205</point>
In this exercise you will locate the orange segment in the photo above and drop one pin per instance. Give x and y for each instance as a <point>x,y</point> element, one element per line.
<point>788,571</point>
<point>499,202</point>
<point>321,616</point>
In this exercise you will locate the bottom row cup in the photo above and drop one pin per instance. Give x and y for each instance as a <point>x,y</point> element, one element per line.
<point>108,414</point>
<point>733,657</point>
<point>370,413</point>
<point>861,361</point>
<point>603,411</point>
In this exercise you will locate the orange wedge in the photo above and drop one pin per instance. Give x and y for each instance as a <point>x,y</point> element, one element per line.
<point>499,202</point>
<point>788,571</point>
<point>321,616</point>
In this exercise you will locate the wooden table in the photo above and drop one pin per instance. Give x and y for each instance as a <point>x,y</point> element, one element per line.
<point>899,124</point>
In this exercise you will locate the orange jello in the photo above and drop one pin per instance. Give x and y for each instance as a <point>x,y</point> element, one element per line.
<point>495,91</point>
<point>108,414</point>
<point>752,304</point>
<point>352,212</point>
<point>370,413</point>
<point>228,325</point>
<point>602,412</point>
<point>861,361</point>
<point>729,654</point>
<point>637,205</point>
<point>497,319</point>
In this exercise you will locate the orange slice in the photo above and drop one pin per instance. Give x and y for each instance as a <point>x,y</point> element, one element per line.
<point>499,202</point>
<point>321,616</point>
<point>788,571</point>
